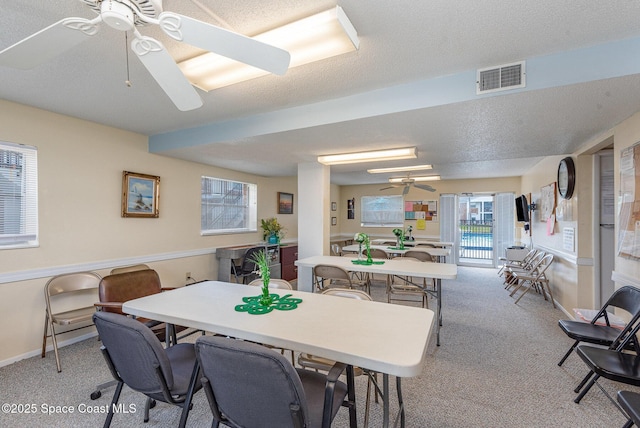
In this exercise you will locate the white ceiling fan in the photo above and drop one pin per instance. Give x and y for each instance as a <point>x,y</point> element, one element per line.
<point>407,183</point>
<point>126,15</point>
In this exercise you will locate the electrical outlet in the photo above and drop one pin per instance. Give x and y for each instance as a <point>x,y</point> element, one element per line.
<point>187,276</point>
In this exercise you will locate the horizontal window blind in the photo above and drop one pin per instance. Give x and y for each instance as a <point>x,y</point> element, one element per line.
<point>228,206</point>
<point>18,195</point>
<point>382,211</point>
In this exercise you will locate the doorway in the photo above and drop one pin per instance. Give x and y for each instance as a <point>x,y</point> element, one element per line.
<point>475,230</point>
<point>606,225</point>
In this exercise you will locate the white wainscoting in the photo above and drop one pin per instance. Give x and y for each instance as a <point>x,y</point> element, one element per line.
<point>106,264</point>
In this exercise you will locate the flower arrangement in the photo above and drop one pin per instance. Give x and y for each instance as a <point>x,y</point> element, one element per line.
<point>408,233</point>
<point>363,238</point>
<point>261,259</point>
<point>400,238</point>
<point>271,227</point>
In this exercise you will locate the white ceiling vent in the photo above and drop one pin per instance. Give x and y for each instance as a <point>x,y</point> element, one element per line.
<point>501,78</point>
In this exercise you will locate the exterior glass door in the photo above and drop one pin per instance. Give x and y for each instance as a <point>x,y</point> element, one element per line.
<point>475,224</point>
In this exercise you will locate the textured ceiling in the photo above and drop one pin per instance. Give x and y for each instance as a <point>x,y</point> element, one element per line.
<point>407,50</point>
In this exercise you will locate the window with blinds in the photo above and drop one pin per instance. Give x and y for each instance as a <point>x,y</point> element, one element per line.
<point>18,196</point>
<point>228,206</point>
<point>382,211</point>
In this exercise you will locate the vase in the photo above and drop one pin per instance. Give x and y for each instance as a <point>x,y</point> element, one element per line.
<point>273,238</point>
<point>265,297</point>
<point>359,250</point>
<point>369,259</point>
<point>266,300</point>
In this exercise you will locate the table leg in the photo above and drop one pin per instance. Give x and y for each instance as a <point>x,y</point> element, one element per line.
<point>351,388</point>
<point>439,308</point>
<point>400,402</point>
<point>385,400</point>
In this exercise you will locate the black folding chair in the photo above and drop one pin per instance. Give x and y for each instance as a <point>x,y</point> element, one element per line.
<point>615,364</point>
<point>599,331</point>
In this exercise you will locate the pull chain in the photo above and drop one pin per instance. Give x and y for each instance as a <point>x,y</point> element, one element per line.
<point>126,51</point>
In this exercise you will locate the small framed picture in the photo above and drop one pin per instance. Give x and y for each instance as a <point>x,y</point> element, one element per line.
<point>334,221</point>
<point>285,203</point>
<point>334,206</point>
<point>140,195</point>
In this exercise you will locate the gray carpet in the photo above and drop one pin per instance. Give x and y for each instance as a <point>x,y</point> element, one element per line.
<point>496,367</point>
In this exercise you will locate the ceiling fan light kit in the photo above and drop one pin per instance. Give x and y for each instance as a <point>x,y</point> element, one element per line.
<point>409,181</point>
<point>126,15</point>
<point>317,37</point>
<point>117,15</point>
<point>372,156</point>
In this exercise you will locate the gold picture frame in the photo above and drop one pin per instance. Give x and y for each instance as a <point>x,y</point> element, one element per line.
<point>140,195</point>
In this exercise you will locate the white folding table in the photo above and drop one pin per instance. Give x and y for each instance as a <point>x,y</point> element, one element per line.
<point>441,244</point>
<point>397,266</point>
<point>439,253</point>
<point>389,339</point>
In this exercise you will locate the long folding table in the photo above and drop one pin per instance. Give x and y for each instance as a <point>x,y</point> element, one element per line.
<point>388,339</point>
<point>397,266</point>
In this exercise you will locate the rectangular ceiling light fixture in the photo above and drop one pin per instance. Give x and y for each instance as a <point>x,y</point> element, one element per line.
<point>399,169</point>
<point>320,36</point>
<point>374,156</point>
<point>416,178</point>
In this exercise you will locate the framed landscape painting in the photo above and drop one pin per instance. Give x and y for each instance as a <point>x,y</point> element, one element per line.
<point>140,195</point>
<point>285,203</point>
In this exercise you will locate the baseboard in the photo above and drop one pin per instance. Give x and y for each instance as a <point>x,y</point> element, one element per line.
<point>37,352</point>
<point>569,315</point>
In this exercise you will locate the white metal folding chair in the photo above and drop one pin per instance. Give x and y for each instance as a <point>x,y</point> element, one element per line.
<point>63,311</point>
<point>535,278</point>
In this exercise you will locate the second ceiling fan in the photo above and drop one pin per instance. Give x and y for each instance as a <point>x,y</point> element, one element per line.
<point>407,183</point>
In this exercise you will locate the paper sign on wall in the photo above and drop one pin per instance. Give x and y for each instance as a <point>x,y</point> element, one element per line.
<point>568,238</point>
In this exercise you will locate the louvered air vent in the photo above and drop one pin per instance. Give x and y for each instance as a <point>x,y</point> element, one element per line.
<point>501,78</point>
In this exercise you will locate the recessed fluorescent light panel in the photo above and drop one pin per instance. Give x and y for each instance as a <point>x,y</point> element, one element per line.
<point>416,178</point>
<point>320,36</point>
<point>399,169</point>
<point>373,156</point>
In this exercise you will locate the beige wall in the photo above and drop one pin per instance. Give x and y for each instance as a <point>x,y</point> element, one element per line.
<point>564,271</point>
<point>80,168</point>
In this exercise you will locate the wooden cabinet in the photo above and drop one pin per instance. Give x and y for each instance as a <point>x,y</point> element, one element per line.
<point>288,256</point>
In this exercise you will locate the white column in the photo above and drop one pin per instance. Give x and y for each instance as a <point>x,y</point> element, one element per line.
<point>313,216</point>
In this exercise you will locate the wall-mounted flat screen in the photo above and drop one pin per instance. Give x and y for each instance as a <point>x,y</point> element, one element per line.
<point>522,209</point>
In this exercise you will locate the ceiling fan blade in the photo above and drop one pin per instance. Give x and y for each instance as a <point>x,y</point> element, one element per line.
<point>392,186</point>
<point>406,190</point>
<point>49,42</point>
<point>425,187</point>
<point>224,42</point>
<point>166,72</point>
